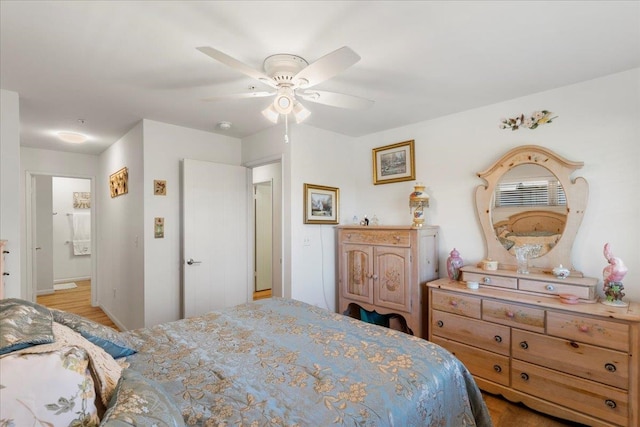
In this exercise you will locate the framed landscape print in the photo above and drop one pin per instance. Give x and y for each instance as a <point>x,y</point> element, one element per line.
<point>394,163</point>
<point>321,204</point>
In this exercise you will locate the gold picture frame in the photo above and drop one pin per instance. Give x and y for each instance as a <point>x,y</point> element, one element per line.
<point>321,204</point>
<point>394,163</point>
<point>119,182</point>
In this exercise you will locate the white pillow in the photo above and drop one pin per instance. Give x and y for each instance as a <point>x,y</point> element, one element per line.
<point>53,388</point>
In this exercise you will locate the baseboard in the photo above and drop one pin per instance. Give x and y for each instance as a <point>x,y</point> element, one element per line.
<point>72,279</point>
<point>112,317</point>
<point>45,291</point>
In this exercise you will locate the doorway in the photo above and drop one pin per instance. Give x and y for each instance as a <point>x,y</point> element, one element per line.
<point>267,232</point>
<point>59,226</point>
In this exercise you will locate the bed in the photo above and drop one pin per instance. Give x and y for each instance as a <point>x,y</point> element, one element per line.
<point>272,362</point>
<point>539,228</point>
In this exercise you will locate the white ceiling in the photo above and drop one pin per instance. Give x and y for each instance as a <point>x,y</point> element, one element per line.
<point>113,63</point>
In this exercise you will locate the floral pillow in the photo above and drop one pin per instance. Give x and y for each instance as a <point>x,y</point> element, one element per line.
<point>23,324</point>
<point>103,336</point>
<point>139,401</point>
<point>48,389</point>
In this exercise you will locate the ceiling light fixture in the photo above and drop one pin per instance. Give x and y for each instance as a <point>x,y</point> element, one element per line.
<point>224,125</point>
<point>72,137</point>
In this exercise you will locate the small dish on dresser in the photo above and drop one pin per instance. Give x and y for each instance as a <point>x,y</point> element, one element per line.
<point>473,285</point>
<point>569,299</point>
<point>561,273</point>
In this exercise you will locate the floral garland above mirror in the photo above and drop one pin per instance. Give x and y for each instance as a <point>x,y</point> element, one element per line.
<point>530,122</point>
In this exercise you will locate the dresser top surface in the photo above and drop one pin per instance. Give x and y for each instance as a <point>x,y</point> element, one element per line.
<point>629,313</point>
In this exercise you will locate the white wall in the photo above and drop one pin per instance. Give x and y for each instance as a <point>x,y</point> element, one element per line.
<point>121,233</point>
<point>165,146</point>
<point>9,191</point>
<point>597,123</point>
<point>68,267</point>
<point>34,161</point>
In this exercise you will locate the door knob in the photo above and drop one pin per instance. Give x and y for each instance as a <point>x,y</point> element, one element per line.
<point>190,261</point>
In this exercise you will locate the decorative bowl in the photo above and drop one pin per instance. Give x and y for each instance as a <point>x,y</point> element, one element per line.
<point>560,272</point>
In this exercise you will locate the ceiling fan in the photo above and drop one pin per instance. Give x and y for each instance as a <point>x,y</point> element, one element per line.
<point>293,78</point>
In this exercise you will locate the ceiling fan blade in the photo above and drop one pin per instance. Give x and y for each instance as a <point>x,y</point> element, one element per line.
<point>326,67</point>
<point>240,96</point>
<point>335,99</point>
<point>237,65</point>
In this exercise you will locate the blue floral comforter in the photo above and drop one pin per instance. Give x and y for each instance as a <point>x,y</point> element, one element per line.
<point>281,362</point>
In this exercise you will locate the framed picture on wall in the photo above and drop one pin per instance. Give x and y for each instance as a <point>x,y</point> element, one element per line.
<point>394,163</point>
<point>321,204</point>
<point>119,182</point>
<point>81,200</point>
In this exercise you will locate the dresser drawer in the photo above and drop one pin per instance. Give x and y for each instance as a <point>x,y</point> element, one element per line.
<point>598,400</point>
<point>520,316</point>
<point>484,364</point>
<point>477,333</point>
<point>488,279</point>
<point>378,237</point>
<point>550,288</point>
<point>456,303</point>
<point>587,361</point>
<point>589,330</point>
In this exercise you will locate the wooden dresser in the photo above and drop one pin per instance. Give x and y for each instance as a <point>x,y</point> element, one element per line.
<point>384,268</point>
<point>575,361</point>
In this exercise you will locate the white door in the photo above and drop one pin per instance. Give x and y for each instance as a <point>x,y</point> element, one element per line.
<point>43,234</point>
<point>263,262</point>
<point>215,237</point>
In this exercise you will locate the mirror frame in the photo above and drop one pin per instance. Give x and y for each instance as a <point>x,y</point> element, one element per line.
<point>576,191</point>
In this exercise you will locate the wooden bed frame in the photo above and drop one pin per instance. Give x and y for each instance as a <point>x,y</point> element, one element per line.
<point>539,220</point>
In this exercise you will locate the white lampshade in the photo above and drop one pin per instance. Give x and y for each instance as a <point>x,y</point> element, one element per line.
<point>300,113</point>
<point>271,114</point>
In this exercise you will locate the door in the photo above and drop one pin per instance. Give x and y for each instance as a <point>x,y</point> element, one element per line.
<point>215,233</point>
<point>43,234</point>
<point>358,272</point>
<point>392,278</point>
<point>263,233</point>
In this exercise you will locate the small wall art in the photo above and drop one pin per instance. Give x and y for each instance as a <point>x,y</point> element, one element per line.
<point>159,187</point>
<point>119,182</point>
<point>81,200</point>
<point>394,163</point>
<point>158,228</point>
<point>321,204</point>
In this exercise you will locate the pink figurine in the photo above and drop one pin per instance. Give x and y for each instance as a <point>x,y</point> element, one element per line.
<point>616,270</point>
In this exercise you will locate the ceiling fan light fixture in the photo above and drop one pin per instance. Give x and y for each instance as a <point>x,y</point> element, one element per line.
<point>72,137</point>
<point>300,113</point>
<point>283,103</point>
<point>271,113</point>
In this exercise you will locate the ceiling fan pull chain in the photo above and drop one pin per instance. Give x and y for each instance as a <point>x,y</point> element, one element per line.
<point>286,128</point>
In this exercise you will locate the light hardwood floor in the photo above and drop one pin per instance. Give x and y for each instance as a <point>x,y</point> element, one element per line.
<point>503,412</point>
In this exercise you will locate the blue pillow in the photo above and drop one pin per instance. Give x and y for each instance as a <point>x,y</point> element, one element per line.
<point>103,336</point>
<point>23,324</point>
<point>141,402</point>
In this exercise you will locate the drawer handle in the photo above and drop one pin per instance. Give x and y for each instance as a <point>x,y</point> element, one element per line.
<point>454,303</point>
<point>550,288</point>
<point>498,338</point>
<point>524,345</point>
<point>610,367</point>
<point>397,238</point>
<point>524,376</point>
<point>374,277</point>
<point>584,328</point>
<point>497,368</point>
<point>509,314</point>
<point>574,344</point>
<point>440,323</point>
<point>486,280</point>
<point>610,403</point>
<point>349,236</point>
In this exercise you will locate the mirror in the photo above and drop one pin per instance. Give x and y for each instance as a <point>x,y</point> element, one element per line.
<point>530,199</point>
<point>529,207</point>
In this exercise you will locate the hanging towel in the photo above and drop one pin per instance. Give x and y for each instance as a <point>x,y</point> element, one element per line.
<point>81,234</point>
